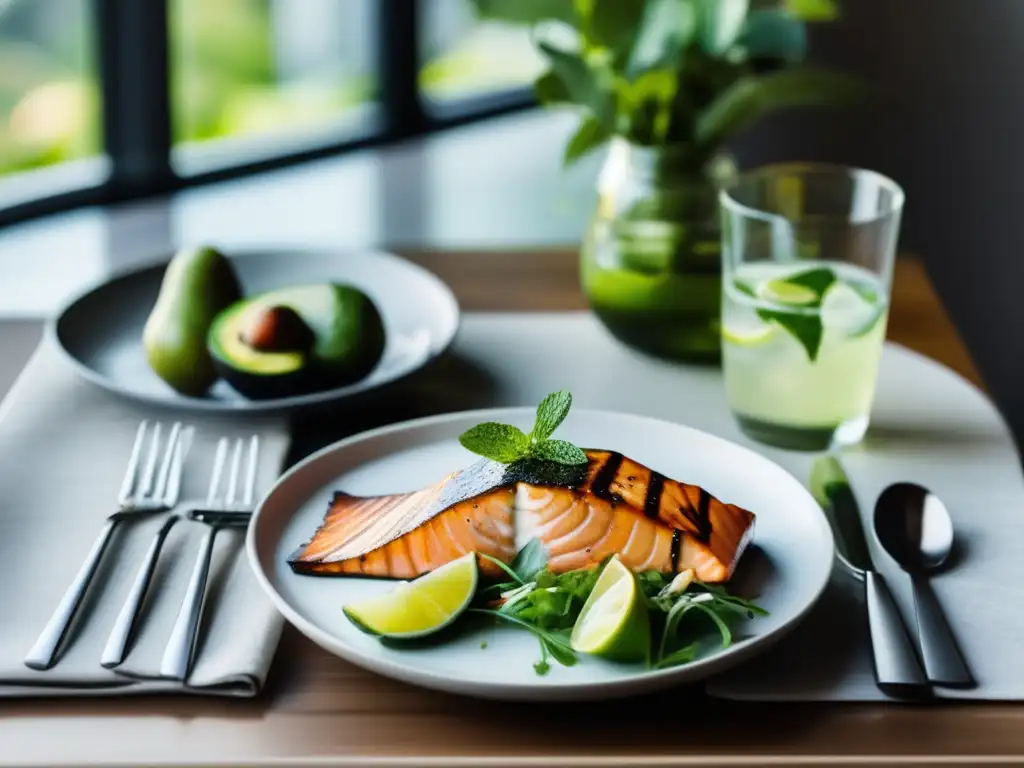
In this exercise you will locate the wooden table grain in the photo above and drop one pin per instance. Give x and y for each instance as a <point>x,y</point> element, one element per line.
<point>319,710</point>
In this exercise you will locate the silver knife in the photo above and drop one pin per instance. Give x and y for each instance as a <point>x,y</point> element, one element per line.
<point>897,668</point>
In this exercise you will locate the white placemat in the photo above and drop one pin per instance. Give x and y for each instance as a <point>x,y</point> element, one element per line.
<point>64,447</point>
<point>929,426</point>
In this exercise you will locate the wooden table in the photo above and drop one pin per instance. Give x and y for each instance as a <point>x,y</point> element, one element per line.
<point>319,710</point>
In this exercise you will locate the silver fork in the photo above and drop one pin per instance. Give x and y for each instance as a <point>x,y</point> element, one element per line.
<point>219,511</point>
<point>147,492</point>
<point>121,633</point>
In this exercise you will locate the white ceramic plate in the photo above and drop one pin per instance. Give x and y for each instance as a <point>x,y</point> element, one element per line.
<point>100,331</point>
<point>786,568</point>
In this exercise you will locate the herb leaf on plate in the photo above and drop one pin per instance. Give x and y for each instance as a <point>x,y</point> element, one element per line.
<point>550,414</point>
<point>530,560</point>
<point>551,643</point>
<point>506,444</point>
<point>682,611</point>
<point>503,443</point>
<point>560,451</point>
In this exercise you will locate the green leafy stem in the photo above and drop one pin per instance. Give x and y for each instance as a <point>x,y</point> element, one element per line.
<point>687,73</point>
<point>548,605</point>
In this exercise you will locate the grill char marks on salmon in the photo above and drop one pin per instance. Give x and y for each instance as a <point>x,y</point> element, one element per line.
<point>652,522</point>
<point>580,514</point>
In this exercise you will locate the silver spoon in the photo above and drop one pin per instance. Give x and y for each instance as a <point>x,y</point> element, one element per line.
<point>914,527</point>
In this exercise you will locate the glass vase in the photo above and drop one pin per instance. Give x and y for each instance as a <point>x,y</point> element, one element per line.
<point>650,262</point>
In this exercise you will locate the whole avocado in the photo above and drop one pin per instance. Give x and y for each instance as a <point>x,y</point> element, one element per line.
<point>197,285</point>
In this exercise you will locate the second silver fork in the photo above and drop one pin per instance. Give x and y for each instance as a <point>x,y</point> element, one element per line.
<point>219,511</point>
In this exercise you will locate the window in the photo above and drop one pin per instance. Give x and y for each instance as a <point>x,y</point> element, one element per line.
<point>122,98</point>
<point>263,71</point>
<point>49,95</point>
<point>462,56</point>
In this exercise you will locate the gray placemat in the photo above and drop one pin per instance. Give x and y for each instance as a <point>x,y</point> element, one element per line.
<point>64,447</point>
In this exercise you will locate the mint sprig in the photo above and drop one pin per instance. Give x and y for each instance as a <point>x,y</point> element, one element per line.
<point>505,443</point>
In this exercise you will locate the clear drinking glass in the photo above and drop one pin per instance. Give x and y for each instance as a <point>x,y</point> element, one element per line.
<point>807,259</point>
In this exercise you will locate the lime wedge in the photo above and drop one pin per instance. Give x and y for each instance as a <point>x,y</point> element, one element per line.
<point>420,607</point>
<point>613,623</point>
<point>748,336</point>
<point>779,291</point>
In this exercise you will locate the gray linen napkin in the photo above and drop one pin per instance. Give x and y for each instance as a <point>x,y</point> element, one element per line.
<point>64,447</point>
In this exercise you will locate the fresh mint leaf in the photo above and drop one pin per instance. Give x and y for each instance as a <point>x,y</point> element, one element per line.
<point>550,414</point>
<point>807,329</point>
<point>506,444</point>
<point>560,451</point>
<point>499,442</point>
<point>530,561</point>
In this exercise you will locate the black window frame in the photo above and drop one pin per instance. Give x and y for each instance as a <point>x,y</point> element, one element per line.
<point>134,76</point>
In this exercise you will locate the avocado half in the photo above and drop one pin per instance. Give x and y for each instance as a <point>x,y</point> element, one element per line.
<point>297,340</point>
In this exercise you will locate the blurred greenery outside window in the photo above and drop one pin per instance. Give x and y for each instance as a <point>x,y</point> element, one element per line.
<point>248,68</point>
<point>462,57</point>
<point>239,69</point>
<point>49,94</point>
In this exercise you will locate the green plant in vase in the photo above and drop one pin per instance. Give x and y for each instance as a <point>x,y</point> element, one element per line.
<point>664,84</point>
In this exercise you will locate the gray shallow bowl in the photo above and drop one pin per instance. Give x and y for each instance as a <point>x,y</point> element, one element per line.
<point>100,331</point>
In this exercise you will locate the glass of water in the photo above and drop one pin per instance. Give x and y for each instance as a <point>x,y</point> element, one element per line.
<point>808,253</point>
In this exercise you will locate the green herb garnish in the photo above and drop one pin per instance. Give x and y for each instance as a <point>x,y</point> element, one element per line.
<point>530,561</point>
<point>505,443</point>
<point>553,644</point>
<point>711,601</point>
<point>548,604</point>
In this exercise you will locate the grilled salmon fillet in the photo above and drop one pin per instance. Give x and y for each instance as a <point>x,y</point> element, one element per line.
<point>580,514</point>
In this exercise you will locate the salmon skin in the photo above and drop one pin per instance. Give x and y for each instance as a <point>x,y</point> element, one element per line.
<point>580,514</point>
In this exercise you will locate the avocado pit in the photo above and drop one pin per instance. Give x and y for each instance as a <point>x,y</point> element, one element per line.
<point>277,329</point>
